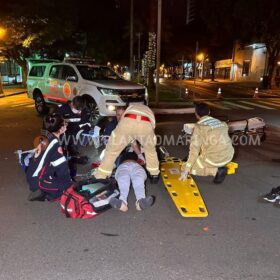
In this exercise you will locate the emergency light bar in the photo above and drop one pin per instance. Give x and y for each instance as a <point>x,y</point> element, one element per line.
<point>79,60</point>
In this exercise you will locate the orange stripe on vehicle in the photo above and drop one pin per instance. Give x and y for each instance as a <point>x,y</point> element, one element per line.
<point>55,98</point>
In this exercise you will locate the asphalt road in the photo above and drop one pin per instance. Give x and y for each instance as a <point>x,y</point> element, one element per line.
<point>238,240</point>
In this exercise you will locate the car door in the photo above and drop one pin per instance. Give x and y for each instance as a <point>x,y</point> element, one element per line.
<point>53,84</point>
<point>69,82</point>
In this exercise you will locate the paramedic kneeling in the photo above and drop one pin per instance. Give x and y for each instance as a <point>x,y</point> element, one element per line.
<point>210,148</point>
<point>48,173</point>
<point>137,123</point>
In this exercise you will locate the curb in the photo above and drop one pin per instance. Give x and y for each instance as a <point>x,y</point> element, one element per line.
<point>11,94</point>
<point>178,111</point>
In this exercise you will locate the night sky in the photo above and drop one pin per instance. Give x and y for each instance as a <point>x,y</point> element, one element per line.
<point>106,25</point>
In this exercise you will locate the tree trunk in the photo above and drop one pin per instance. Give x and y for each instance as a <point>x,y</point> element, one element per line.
<point>271,71</point>
<point>1,86</point>
<point>24,74</point>
<point>273,81</point>
<point>213,70</point>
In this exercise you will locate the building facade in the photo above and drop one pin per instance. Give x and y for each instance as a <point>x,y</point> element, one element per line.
<point>248,63</point>
<point>10,72</point>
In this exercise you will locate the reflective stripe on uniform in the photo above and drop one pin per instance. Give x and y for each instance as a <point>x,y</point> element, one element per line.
<point>199,163</point>
<point>204,119</point>
<point>141,113</point>
<point>104,171</point>
<point>58,161</point>
<point>84,124</point>
<point>193,172</point>
<point>217,164</point>
<point>41,163</point>
<point>212,122</point>
<point>152,169</point>
<point>74,120</point>
<point>188,164</point>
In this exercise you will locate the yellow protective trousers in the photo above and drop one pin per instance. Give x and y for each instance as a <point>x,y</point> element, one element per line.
<point>126,132</point>
<point>204,167</point>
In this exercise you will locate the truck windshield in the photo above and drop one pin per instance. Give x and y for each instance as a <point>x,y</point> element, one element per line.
<point>93,73</point>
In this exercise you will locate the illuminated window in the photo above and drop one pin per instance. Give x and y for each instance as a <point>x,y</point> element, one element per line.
<point>246,67</point>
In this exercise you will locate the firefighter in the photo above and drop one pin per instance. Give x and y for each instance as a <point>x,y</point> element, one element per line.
<point>136,123</point>
<point>210,148</point>
<point>48,173</point>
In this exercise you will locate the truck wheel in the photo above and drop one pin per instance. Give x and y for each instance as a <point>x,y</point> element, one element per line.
<point>40,104</point>
<point>93,109</point>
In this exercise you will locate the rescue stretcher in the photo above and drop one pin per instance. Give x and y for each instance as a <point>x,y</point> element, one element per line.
<point>252,126</point>
<point>185,194</point>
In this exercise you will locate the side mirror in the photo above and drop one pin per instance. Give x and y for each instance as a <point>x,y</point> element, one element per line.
<point>71,79</point>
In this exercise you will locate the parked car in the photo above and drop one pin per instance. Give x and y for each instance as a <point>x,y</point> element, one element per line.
<point>103,89</point>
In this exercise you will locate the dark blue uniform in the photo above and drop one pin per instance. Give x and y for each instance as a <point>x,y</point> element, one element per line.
<point>49,172</point>
<point>77,123</point>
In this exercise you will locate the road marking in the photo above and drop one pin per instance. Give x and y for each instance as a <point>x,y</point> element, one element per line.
<point>276,101</point>
<point>238,105</point>
<point>211,104</point>
<point>18,105</point>
<point>257,105</point>
<point>269,103</point>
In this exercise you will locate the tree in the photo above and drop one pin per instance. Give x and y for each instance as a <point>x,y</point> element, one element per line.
<point>248,21</point>
<point>30,30</point>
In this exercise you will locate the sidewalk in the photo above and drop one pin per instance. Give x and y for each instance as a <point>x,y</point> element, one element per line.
<point>13,90</point>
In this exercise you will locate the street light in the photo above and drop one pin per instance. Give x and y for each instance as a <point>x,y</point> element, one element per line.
<point>3,32</point>
<point>201,57</point>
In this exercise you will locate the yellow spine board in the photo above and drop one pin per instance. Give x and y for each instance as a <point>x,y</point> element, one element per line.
<point>185,195</point>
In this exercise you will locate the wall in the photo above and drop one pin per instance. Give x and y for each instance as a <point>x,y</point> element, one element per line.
<point>255,54</point>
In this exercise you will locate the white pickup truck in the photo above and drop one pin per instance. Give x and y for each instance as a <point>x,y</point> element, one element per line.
<point>52,83</point>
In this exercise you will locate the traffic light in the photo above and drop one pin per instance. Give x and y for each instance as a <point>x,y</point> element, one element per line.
<point>190,11</point>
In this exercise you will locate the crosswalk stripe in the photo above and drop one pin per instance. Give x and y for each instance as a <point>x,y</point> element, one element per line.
<point>238,105</point>
<point>211,104</point>
<point>276,101</point>
<point>257,105</point>
<point>270,103</point>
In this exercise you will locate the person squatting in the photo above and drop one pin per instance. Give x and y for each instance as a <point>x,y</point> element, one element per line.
<point>48,173</point>
<point>210,148</point>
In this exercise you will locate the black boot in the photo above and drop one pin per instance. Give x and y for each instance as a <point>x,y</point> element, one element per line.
<point>220,175</point>
<point>154,179</point>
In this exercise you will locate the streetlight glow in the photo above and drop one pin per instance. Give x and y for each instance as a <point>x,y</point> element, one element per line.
<point>3,32</point>
<point>200,56</point>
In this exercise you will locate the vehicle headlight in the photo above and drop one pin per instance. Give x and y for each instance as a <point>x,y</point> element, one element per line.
<point>111,108</point>
<point>108,91</point>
